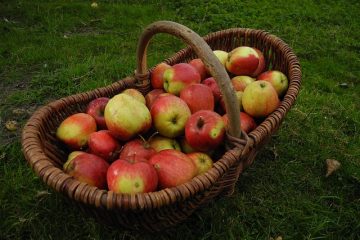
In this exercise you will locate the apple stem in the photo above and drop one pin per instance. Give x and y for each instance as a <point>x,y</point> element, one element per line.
<point>153,135</point>
<point>200,123</point>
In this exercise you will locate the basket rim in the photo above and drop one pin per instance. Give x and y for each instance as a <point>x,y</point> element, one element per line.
<point>62,182</point>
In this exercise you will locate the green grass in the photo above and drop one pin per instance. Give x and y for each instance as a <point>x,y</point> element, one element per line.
<point>53,49</point>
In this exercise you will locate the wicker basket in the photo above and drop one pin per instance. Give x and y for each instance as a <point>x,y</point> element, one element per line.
<point>158,210</point>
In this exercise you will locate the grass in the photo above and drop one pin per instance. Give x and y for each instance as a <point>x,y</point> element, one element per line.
<point>53,49</point>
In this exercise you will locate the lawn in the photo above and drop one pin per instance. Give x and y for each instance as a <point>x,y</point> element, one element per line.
<point>52,49</point>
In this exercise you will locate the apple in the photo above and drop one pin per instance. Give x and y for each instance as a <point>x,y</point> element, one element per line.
<point>222,56</point>
<point>170,114</point>
<point>137,147</point>
<point>160,143</point>
<point>151,96</point>
<point>211,83</point>
<point>131,177</point>
<point>104,145</point>
<point>243,61</point>
<point>247,122</point>
<point>260,99</point>
<point>198,97</point>
<point>96,109</point>
<point>239,95</point>
<point>205,130</point>
<point>179,76</point>
<point>74,131</point>
<point>135,94</point>
<point>88,168</point>
<point>277,79</point>
<point>173,167</point>
<point>126,117</point>
<point>185,146</point>
<point>202,161</point>
<point>198,64</point>
<point>73,154</point>
<point>240,82</point>
<point>261,65</point>
<point>157,75</point>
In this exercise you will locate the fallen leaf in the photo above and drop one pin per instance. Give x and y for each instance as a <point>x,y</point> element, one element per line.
<point>11,125</point>
<point>19,111</point>
<point>343,85</point>
<point>40,194</point>
<point>331,166</point>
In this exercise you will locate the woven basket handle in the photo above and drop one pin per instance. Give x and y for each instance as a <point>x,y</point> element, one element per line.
<point>205,53</point>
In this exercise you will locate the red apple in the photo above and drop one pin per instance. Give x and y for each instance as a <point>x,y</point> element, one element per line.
<point>169,114</point>
<point>151,96</point>
<point>240,82</point>
<point>179,76</point>
<point>131,177</point>
<point>173,168</point>
<point>198,97</point>
<point>221,55</point>
<point>277,79</point>
<point>135,94</point>
<point>137,147</point>
<point>126,117</point>
<point>88,168</point>
<point>247,122</point>
<point>74,131</point>
<point>211,83</point>
<point>96,109</point>
<point>157,75</point>
<point>261,66</point>
<point>202,161</point>
<point>243,61</point>
<point>205,130</point>
<point>260,99</point>
<point>104,145</point>
<point>198,64</point>
<point>160,143</point>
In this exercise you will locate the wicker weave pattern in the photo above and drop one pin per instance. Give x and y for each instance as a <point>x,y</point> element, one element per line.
<point>157,210</point>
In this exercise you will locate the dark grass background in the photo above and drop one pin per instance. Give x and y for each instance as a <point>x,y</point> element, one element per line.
<point>51,49</point>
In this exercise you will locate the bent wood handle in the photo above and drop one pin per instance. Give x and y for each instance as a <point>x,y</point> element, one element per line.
<point>205,53</point>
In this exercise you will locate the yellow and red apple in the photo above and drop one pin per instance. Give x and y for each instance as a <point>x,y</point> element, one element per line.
<point>260,99</point>
<point>277,79</point>
<point>74,131</point>
<point>179,76</point>
<point>243,61</point>
<point>202,161</point>
<point>170,114</point>
<point>131,177</point>
<point>88,168</point>
<point>173,167</point>
<point>126,117</point>
<point>160,143</point>
<point>157,75</point>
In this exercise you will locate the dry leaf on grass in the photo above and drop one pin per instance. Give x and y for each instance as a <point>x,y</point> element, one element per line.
<point>331,166</point>
<point>11,125</point>
<point>19,111</point>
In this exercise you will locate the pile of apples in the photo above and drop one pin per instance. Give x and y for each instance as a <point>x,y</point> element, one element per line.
<point>132,143</point>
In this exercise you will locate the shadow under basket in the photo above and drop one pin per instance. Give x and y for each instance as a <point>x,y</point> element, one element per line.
<point>155,211</point>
